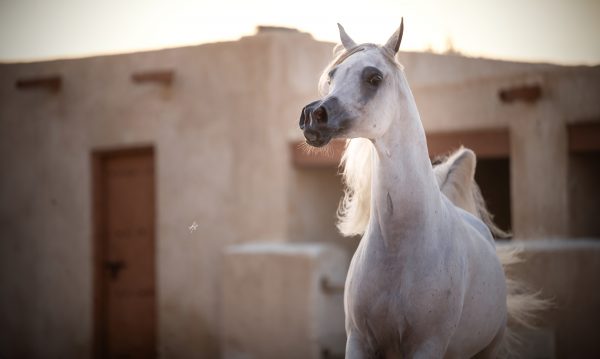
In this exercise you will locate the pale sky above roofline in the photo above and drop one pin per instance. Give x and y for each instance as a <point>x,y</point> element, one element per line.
<point>556,31</point>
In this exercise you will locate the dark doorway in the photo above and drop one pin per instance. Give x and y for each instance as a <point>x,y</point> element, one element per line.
<point>584,194</point>
<point>493,177</point>
<point>584,179</point>
<point>492,174</point>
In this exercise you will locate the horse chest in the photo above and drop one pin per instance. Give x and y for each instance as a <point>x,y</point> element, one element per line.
<point>374,302</point>
<point>375,287</point>
<point>386,294</point>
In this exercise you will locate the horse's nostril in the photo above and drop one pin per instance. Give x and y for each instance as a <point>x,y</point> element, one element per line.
<point>320,114</point>
<point>311,135</point>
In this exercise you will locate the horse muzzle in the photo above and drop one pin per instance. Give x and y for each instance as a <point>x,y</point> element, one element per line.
<point>323,120</point>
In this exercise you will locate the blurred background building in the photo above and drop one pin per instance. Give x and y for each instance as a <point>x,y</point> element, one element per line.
<point>159,204</point>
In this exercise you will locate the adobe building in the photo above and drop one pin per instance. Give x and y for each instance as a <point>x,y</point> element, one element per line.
<point>158,204</point>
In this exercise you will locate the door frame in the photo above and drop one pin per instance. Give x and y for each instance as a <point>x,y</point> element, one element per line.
<point>99,204</point>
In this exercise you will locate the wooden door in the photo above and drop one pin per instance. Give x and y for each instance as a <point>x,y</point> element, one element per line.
<point>125,254</point>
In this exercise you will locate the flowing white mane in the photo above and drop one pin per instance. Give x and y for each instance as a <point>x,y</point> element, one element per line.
<point>355,208</point>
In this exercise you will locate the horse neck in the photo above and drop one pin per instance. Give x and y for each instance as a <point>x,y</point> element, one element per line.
<point>404,192</point>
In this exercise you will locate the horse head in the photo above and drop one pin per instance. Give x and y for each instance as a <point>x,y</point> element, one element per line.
<point>360,91</point>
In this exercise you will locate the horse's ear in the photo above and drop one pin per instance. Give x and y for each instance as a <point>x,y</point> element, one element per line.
<point>347,42</point>
<point>393,44</point>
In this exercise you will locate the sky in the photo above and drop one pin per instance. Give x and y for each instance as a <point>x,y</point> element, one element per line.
<point>557,31</point>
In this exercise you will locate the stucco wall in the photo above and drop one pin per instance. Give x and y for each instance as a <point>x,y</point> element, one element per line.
<point>218,134</point>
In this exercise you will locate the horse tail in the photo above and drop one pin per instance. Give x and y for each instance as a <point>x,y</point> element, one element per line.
<point>523,305</point>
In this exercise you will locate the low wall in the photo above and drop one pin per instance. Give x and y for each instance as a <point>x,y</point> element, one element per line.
<point>567,272</point>
<point>283,300</point>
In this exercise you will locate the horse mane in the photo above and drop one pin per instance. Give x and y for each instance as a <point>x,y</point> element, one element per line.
<point>354,210</point>
<point>355,207</point>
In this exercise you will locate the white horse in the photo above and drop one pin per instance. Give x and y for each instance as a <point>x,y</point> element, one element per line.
<point>425,281</point>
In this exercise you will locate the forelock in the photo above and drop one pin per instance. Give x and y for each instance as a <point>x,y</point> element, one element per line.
<point>341,55</point>
<point>344,54</point>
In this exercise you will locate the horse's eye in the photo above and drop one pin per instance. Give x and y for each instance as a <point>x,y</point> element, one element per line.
<point>374,80</point>
<point>330,75</point>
